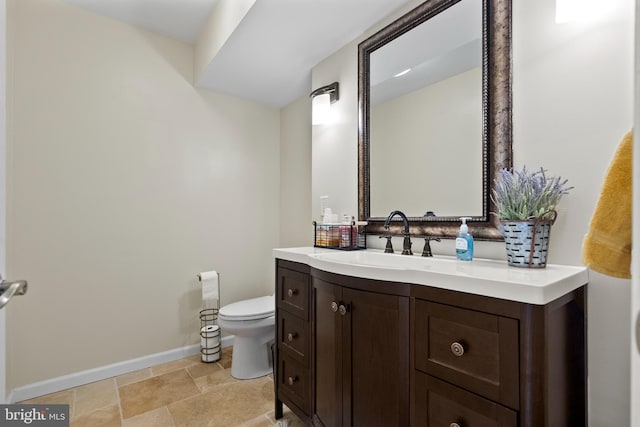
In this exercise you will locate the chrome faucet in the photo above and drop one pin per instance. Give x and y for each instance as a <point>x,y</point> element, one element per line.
<point>406,245</point>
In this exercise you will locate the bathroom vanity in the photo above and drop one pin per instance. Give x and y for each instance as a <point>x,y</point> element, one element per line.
<point>372,339</point>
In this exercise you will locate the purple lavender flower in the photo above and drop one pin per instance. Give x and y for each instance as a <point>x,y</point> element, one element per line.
<point>525,195</point>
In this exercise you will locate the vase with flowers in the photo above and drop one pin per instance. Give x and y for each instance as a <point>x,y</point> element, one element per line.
<point>526,207</point>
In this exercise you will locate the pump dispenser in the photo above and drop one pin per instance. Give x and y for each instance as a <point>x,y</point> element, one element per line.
<point>464,242</point>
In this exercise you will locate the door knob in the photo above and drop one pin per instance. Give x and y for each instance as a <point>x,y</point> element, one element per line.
<point>9,289</point>
<point>342,309</point>
<point>292,380</point>
<point>292,336</point>
<point>334,306</point>
<point>292,292</point>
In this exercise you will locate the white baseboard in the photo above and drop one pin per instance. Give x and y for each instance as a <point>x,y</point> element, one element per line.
<point>76,379</point>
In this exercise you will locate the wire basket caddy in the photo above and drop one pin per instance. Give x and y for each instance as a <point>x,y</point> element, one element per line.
<point>209,335</point>
<point>346,237</point>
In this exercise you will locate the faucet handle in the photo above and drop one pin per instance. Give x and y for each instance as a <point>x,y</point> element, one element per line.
<point>426,252</point>
<point>388,249</point>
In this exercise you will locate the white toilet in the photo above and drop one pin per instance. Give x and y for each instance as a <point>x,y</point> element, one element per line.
<point>253,323</point>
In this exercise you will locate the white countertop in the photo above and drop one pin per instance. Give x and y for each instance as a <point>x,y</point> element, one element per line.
<point>481,276</point>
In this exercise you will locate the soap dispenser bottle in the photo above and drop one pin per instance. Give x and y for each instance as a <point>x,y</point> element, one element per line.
<point>464,242</point>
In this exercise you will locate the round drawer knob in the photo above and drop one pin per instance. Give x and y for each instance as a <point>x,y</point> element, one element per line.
<point>292,336</point>
<point>292,380</point>
<point>292,292</point>
<point>455,425</point>
<point>342,309</point>
<point>458,350</point>
<point>334,306</point>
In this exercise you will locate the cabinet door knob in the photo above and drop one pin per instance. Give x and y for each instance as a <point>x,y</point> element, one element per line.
<point>292,336</point>
<point>292,292</point>
<point>342,309</point>
<point>292,380</point>
<point>458,350</point>
<point>455,425</point>
<point>334,306</point>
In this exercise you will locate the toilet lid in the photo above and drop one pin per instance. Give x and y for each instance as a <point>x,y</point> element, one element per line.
<point>250,309</point>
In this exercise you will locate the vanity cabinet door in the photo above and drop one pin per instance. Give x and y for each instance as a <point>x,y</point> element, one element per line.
<point>327,369</point>
<point>361,357</point>
<point>376,377</point>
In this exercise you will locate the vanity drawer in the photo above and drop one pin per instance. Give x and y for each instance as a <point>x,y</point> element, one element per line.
<point>293,334</point>
<point>472,349</point>
<point>438,403</point>
<point>293,291</point>
<point>293,382</point>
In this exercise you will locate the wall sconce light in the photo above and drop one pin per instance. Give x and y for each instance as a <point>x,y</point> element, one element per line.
<point>322,98</point>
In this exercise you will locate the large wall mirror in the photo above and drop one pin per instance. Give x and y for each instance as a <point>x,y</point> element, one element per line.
<point>435,117</point>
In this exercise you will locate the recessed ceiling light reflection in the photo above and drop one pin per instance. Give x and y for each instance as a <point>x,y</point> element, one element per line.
<point>402,73</point>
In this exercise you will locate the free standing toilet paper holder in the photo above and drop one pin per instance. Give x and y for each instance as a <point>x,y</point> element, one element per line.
<point>209,335</point>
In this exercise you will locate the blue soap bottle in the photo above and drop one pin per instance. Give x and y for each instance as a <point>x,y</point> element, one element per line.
<point>464,242</point>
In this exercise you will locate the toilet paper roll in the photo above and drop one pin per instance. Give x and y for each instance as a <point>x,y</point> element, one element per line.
<point>213,357</point>
<point>209,330</point>
<point>209,343</point>
<point>210,337</point>
<point>210,288</point>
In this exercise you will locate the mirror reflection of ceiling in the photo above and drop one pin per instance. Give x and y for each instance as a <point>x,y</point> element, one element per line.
<point>446,45</point>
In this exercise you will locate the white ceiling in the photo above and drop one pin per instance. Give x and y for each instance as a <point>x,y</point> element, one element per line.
<point>269,56</point>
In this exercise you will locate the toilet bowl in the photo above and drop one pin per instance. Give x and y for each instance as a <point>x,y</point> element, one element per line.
<point>253,323</point>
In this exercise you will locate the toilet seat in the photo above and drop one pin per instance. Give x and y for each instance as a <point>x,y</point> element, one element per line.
<point>250,309</point>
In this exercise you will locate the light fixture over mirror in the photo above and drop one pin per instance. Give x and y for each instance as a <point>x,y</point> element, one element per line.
<point>322,98</point>
<point>472,37</point>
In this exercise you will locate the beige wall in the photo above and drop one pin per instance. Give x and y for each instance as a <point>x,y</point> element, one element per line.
<point>295,174</point>
<point>573,92</point>
<point>124,182</point>
<point>573,102</point>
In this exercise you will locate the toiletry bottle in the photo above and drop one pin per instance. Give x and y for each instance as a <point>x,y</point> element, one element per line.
<point>345,231</point>
<point>464,242</point>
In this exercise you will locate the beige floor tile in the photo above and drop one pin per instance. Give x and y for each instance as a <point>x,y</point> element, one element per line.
<point>212,381</point>
<point>95,396</point>
<point>260,421</point>
<point>156,392</point>
<point>133,377</point>
<point>293,419</point>
<point>230,405</point>
<point>225,358</point>
<point>157,418</point>
<point>104,417</point>
<point>59,397</point>
<point>172,366</point>
<point>201,369</point>
<point>64,397</point>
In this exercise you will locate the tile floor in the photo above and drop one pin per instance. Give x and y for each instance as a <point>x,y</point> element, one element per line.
<point>183,393</point>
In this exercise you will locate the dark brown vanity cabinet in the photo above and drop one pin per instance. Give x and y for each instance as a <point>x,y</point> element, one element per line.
<point>360,352</point>
<point>481,361</point>
<point>292,351</point>
<point>360,369</point>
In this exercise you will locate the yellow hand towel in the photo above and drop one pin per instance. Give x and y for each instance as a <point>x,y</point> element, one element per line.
<point>607,245</point>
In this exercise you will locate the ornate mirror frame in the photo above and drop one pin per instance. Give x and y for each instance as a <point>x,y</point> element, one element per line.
<point>496,111</point>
